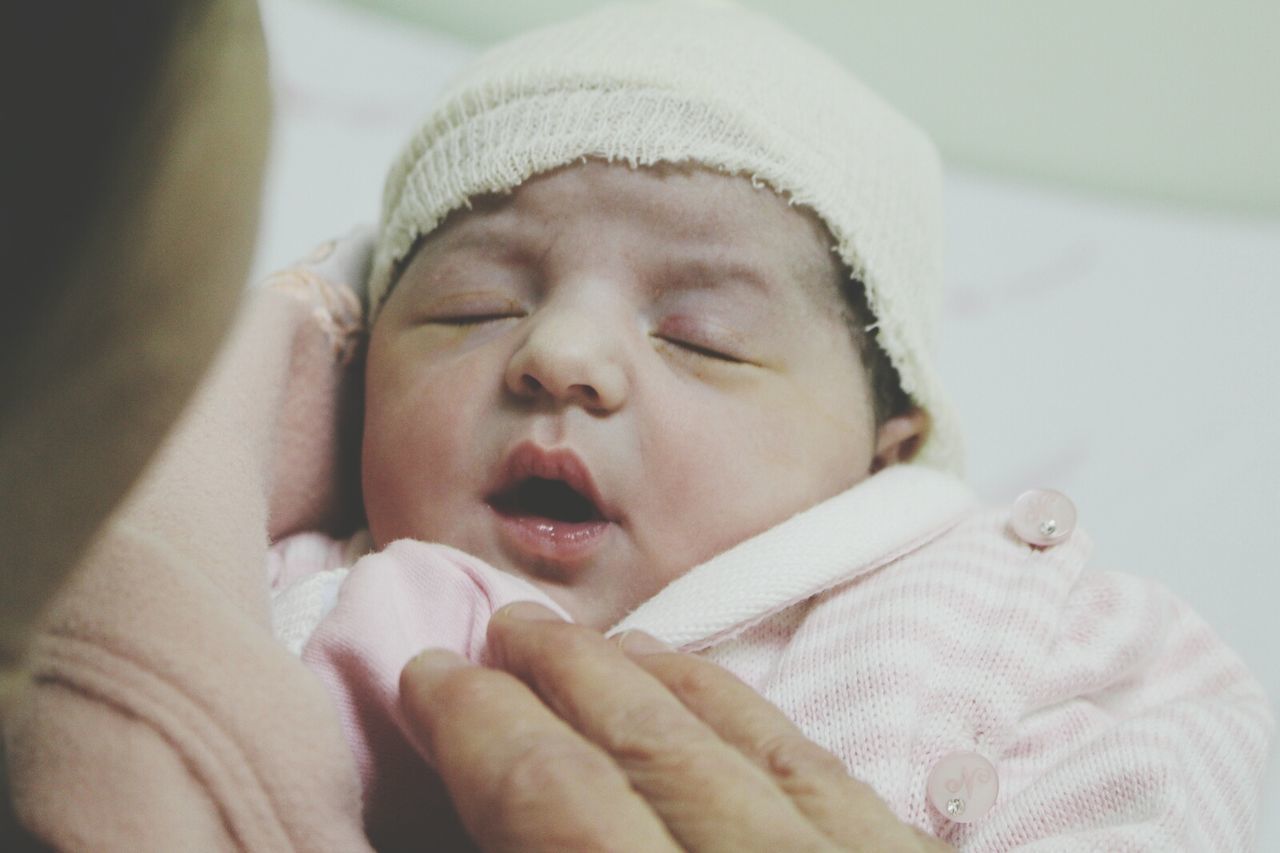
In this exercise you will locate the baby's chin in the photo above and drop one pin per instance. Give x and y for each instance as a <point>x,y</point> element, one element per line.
<point>585,604</point>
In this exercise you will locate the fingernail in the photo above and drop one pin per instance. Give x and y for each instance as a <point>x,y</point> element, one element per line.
<point>636,642</point>
<point>528,611</point>
<point>432,664</point>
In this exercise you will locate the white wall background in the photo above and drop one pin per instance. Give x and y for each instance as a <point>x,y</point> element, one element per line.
<point>1170,99</point>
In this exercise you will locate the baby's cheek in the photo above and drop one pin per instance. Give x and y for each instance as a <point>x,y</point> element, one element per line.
<point>402,447</point>
<point>758,467</point>
<point>830,429</point>
<point>725,483</point>
<point>777,433</point>
<point>380,500</point>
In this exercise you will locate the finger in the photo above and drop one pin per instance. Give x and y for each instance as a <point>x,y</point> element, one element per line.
<point>707,793</point>
<point>520,778</point>
<point>845,809</point>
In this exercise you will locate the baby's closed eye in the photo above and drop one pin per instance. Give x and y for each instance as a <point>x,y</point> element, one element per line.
<point>704,338</point>
<point>471,309</point>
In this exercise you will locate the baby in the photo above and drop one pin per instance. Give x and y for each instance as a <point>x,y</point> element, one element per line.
<point>651,312</point>
<point>611,375</point>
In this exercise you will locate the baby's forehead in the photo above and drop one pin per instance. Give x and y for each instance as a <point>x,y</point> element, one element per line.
<point>681,213</point>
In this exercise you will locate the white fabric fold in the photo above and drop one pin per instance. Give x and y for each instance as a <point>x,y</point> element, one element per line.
<point>839,539</point>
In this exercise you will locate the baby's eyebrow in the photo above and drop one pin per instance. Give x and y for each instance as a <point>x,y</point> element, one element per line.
<point>691,266</point>
<point>700,270</point>
<point>489,232</point>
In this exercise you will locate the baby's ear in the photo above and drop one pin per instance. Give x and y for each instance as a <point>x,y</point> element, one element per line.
<point>900,438</point>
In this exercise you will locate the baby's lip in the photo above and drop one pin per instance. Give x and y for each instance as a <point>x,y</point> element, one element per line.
<point>528,460</point>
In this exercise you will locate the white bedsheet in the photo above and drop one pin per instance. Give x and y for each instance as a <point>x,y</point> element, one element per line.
<point>1123,353</point>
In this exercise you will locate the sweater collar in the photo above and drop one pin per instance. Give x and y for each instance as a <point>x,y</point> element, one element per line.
<point>844,537</point>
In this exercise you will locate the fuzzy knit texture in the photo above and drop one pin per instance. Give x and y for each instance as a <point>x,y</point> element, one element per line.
<point>714,84</point>
<point>895,624</point>
<point>163,713</point>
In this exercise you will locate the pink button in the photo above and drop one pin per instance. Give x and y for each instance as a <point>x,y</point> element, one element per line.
<point>963,786</point>
<point>1043,517</point>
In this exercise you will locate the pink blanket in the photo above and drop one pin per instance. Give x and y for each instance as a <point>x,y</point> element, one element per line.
<point>164,715</point>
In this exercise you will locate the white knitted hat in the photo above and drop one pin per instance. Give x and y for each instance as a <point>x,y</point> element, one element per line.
<point>713,84</point>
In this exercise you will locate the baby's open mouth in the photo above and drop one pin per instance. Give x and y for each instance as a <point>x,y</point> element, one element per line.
<point>549,511</point>
<point>544,498</point>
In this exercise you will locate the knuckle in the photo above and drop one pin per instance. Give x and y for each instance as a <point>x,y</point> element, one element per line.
<point>560,794</point>
<point>649,733</point>
<point>543,771</point>
<point>574,641</point>
<point>791,757</point>
<point>463,689</point>
<point>693,678</point>
<point>553,776</point>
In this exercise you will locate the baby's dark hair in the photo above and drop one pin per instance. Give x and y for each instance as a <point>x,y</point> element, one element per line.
<point>887,397</point>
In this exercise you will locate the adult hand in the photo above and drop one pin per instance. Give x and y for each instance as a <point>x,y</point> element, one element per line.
<point>572,741</point>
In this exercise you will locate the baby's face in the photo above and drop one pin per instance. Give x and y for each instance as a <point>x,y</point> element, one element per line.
<point>609,376</point>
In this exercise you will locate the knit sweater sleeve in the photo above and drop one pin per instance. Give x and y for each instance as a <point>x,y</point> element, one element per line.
<point>1141,730</point>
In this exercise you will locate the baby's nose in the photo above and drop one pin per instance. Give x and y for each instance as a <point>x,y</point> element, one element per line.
<point>572,360</point>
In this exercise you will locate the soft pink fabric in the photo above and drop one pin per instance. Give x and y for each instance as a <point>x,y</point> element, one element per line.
<point>1115,717</point>
<point>392,605</point>
<point>164,715</point>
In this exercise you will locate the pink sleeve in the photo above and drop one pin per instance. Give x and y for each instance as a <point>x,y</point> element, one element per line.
<point>406,598</point>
